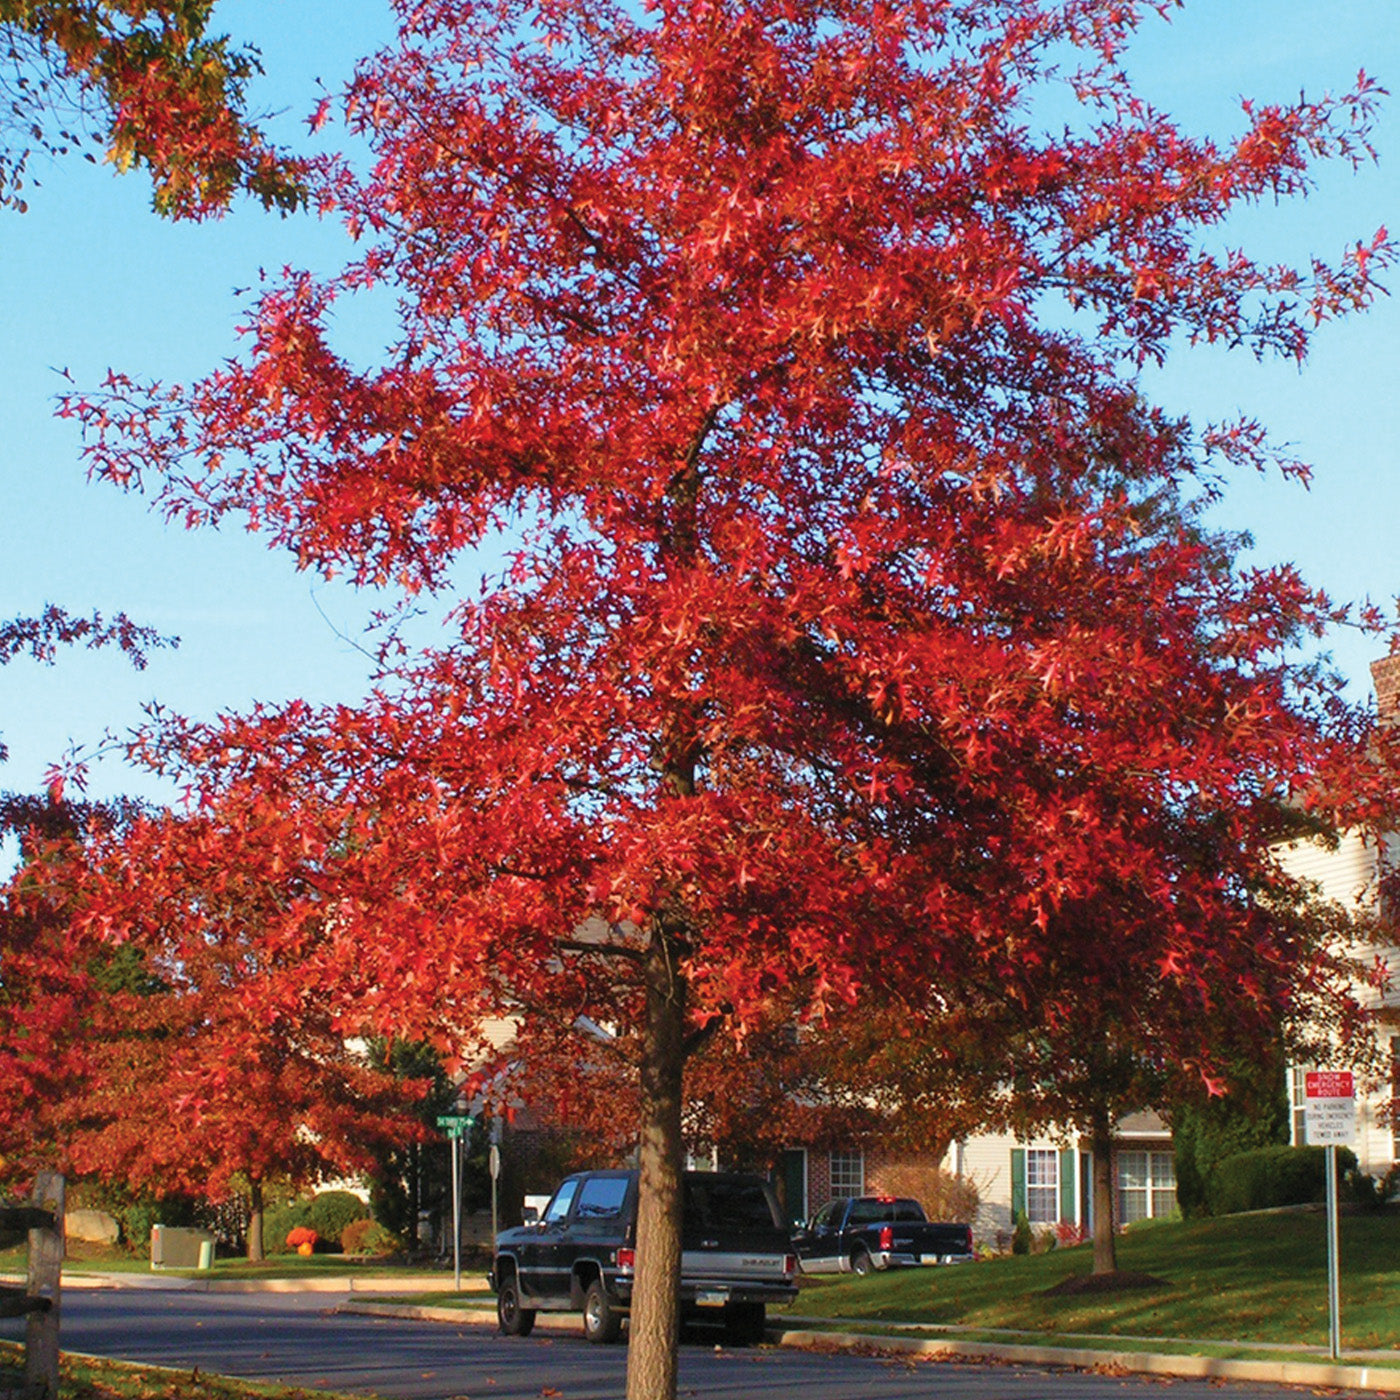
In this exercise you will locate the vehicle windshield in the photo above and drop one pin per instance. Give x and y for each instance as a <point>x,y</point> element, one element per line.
<point>728,1205</point>
<point>872,1212</point>
<point>558,1208</point>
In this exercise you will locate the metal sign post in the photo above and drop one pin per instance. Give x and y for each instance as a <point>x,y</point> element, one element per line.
<point>494,1161</point>
<point>1334,1270</point>
<point>1329,1120</point>
<point>455,1125</point>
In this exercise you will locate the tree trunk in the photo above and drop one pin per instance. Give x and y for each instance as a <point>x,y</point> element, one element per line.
<point>255,1221</point>
<point>655,1319</point>
<point>1101,1144</point>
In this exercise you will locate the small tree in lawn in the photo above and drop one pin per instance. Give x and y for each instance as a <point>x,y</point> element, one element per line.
<point>412,1175</point>
<point>789,352</point>
<point>49,976</point>
<point>1080,1039</point>
<point>196,1062</point>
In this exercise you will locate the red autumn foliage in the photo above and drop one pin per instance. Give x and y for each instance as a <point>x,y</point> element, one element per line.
<point>173,1062</point>
<point>147,78</point>
<point>857,618</point>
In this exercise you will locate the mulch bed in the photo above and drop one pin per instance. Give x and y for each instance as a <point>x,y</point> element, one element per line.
<point>1123,1281</point>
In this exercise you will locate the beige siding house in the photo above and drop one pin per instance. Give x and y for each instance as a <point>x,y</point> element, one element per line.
<point>1051,1178</point>
<point>1352,874</point>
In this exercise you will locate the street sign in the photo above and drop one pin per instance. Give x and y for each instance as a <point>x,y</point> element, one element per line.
<point>1329,1107</point>
<point>1329,1120</point>
<point>455,1125</point>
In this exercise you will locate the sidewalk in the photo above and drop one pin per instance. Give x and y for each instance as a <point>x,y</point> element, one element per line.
<point>328,1283</point>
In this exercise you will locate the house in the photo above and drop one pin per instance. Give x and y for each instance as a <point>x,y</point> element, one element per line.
<point>1049,1178</point>
<point>1355,873</point>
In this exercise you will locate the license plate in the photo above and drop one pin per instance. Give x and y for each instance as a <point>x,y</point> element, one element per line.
<point>712,1295</point>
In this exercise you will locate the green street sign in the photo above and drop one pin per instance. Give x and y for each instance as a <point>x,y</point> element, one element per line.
<point>455,1125</point>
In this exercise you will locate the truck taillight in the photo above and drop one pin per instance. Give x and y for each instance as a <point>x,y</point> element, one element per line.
<point>627,1259</point>
<point>887,1237</point>
<point>790,1264</point>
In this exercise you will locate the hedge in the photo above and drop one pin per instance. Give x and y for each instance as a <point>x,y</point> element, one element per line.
<point>1271,1176</point>
<point>332,1211</point>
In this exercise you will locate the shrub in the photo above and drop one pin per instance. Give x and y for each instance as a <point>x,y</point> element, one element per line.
<point>280,1221</point>
<point>332,1211</point>
<point>1271,1176</point>
<point>1069,1234</point>
<point>369,1237</point>
<point>300,1236</point>
<point>1369,1192</point>
<point>943,1195</point>
<point>1254,1114</point>
<point>1022,1237</point>
<point>139,1215</point>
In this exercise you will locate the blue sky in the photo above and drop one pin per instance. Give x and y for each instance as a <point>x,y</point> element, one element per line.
<point>90,279</point>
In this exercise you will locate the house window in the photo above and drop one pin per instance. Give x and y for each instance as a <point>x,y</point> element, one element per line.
<point>1146,1186</point>
<point>1395,1098</point>
<point>1042,1185</point>
<point>1298,1104</point>
<point>847,1174</point>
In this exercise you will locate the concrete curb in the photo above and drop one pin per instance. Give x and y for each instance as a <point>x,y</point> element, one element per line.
<point>1309,1373</point>
<point>1331,1376</point>
<point>331,1283</point>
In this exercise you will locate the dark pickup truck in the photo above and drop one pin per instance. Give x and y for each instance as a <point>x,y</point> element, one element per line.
<point>855,1234</point>
<point>581,1255</point>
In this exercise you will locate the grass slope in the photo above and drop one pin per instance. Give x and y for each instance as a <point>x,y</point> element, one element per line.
<point>1255,1278</point>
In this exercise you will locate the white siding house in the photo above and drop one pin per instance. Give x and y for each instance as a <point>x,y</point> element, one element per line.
<point>1351,874</point>
<point>1051,1178</point>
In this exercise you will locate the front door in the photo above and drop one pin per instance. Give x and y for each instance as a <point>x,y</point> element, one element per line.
<point>791,1186</point>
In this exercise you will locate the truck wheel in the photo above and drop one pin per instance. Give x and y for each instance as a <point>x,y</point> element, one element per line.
<point>861,1262</point>
<point>744,1323</point>
<point>601,1321</point>
<point>511,1318</point>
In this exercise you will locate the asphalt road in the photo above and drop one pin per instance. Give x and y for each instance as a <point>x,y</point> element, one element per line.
<point>298,1339</point>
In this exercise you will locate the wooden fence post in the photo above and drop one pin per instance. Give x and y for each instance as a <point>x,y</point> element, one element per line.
<point>45,1274</point>
<point>39,1299</point>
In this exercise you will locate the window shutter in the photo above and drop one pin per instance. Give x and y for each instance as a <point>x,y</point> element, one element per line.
<point>1018,1183</point>
<point>1067,1211</point>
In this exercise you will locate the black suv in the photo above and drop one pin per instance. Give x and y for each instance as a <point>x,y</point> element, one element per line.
<point>581,1256</point>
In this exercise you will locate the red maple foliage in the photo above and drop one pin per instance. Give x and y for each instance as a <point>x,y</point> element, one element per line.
<point>856,617</point>
<point>147,77</point>
<point>186,1058</point>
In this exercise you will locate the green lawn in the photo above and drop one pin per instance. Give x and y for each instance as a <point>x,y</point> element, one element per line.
<point>1255,1278</point>
<point>82,1258</point>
